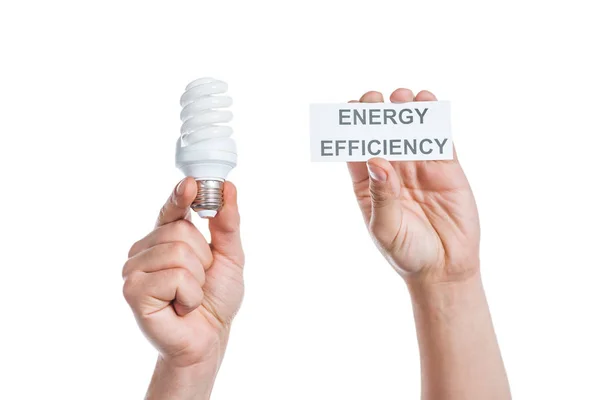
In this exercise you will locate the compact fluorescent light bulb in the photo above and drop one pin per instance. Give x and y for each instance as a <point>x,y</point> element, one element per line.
<point>205,150</point>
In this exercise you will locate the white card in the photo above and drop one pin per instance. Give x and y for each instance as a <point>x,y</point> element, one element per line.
<point>394,131</point>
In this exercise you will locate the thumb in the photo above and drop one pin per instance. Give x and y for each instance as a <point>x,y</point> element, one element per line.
<point>386,211</point>
<point>225,227</point>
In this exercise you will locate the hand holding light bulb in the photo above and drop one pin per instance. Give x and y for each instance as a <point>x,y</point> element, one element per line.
<point>185,292</point>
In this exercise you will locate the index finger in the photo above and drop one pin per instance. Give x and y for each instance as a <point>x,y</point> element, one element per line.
<point>178,205</point>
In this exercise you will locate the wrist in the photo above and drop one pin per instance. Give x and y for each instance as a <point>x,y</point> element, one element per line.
<point>173,382</point>
<point>447,296</point>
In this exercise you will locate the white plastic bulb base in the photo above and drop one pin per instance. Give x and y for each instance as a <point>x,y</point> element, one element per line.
<point>205,150</point>
<point>207,214</point>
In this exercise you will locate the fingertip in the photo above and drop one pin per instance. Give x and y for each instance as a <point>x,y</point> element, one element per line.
<point>182,309</point>
<point>229,193</point>
<point>228,218</point>
<point>402,95</point>
<point>376,172</point>
<point>381,170</point>
<point>185,192</point>
<point>425,95</point>
<point>225,226</point>
<point>372,97</point>
<point>178,203</point>
<point>191,187</point>
<point>378,162</point>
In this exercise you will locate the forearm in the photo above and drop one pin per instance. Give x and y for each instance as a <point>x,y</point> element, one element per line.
<point>460,357</point>
<point>182,383</point>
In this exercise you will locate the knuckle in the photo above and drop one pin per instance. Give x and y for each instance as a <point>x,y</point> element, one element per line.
<point>133,250</point>
<point>162,212</point>
<point>179,250</point>
<point>378,195</point>
<point>206,254</point>
<point>180,275</point>
<point>201,278</point>
<point>131,287</point>
<point>360,187</point>
<point>182,228</point>
<point>127,267</point>
<point>209,258</point>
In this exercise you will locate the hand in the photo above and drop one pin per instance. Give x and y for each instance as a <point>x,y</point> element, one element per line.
<point>421,214</point>
<point>423,217</point>
<point>184,292</point>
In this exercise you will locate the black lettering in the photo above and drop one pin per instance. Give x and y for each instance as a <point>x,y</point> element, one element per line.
<point>342,116</point>
<point>441,145</point>
<point>408,146</point>
<point>372,117</point>
<point>323,148</point>
<point>421,146</point>
<point>357,115</point>
<point>338,147</point>
<point>395,144</point>
<point>408,119</point>
<point>371,151</point>
<point>351,147</point>
<point>389,114</point>
<point>421,116</point>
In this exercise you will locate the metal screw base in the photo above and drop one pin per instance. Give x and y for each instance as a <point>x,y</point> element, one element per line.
<point>209,198</point>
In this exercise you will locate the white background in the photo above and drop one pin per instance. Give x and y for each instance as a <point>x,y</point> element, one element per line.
<point>89,111</point>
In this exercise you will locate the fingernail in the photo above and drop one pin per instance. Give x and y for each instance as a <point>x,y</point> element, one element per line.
<point>179,188</point>
<point>377,174</point>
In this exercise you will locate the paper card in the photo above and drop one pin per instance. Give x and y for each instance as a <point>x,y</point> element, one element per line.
<point>394,131</point>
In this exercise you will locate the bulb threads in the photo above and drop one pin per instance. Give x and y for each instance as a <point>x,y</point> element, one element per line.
<point>209,199</point>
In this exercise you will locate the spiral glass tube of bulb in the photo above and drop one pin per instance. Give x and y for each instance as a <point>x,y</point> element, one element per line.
<point>205,150</point>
